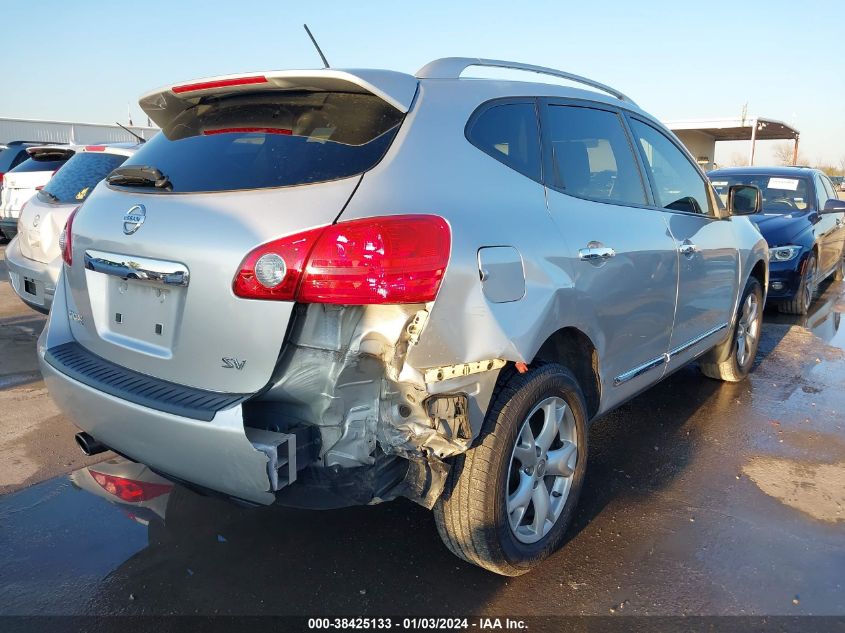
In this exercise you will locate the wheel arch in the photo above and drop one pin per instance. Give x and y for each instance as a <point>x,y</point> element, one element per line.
<point>573,349</point>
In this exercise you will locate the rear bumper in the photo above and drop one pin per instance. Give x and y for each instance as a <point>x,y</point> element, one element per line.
<point>215,454</point>
<point>42,278</point>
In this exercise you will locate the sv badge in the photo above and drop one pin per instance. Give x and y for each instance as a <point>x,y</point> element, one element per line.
<point>233,363</point>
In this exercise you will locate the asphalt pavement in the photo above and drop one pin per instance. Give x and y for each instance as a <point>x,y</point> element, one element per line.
<point>701,499</point>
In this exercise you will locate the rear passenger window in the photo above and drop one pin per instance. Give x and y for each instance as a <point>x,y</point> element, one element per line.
<point>821,193</point>
<point>508,132</point>
<point>591,156</point>
<point>678,185</point>
<point>828,187</point>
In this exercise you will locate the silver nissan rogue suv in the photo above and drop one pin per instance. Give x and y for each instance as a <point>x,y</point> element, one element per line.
<point>335,287</point>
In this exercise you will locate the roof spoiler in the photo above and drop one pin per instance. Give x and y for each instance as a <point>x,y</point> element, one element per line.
<point>52,150</point>
<point>397,89</point>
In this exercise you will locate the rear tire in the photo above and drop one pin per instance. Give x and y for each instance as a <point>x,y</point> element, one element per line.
<point>803,299</point>
<point>745,338</point>
<point>506,468</point>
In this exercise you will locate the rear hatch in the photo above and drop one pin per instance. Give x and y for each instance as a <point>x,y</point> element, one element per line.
<point>21,183</point>
<point>236,165</point>
<point>44,217</point>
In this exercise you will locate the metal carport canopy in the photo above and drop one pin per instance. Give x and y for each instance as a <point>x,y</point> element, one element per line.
<point>749,129</point>
<point>738,129</point>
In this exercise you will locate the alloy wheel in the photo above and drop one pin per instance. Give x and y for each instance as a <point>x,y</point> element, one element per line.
<point>808,288</point>
<point>747,329</point>
<point>541,470</point>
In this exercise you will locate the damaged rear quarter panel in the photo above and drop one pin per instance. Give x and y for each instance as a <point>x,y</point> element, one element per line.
<point>344,369</point>
<point>358,372</point>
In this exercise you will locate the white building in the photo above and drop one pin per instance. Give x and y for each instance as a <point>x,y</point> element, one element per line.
<point>69,132</point>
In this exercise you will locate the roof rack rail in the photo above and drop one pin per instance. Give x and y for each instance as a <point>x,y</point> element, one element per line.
<point>452,67</point>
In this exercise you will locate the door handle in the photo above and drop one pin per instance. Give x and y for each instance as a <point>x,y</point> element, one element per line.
<point>687,248</point>
<point>596,253</point>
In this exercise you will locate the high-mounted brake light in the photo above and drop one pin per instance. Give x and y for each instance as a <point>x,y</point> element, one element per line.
<point>248,130</point>
<point>66,239</point>
<point>129,490</point>
<point>384,260</point>
<point>220,83</point>
<point>95,148</point>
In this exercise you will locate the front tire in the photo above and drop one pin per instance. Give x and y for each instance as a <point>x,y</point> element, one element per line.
<point>745,338</point>
<point>803,299</point>
<point>509,499</point>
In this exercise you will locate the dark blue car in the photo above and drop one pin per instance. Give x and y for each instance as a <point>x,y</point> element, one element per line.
<point>804,223</point>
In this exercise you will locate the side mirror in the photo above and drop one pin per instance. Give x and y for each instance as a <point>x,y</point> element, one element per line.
<point>744,200</point>
<point>834,206</point>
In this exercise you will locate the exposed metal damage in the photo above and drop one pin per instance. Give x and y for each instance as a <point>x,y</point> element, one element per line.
<point>343,370</point>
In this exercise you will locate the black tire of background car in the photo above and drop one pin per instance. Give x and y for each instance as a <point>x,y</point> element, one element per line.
<point>730,370</point>
<point>839,273</point>
<point>471,515</point>
<point>798,304</point>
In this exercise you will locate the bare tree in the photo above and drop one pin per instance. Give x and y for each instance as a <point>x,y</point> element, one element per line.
<point>783,153</point>
<point>738,159</point>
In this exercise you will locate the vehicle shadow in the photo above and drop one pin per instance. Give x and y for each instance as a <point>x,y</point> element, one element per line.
<point>18,363</point>
<point>206,555</point>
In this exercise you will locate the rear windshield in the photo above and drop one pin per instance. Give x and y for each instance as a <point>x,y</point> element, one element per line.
<point>781,194</point>
<point>80,175</point>
<point>48,162</point>
<point>269,139</point>
<point>11,157</point>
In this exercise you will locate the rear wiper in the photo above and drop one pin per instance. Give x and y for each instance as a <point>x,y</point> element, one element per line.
<point>139,176</point>
<point>52,196</point>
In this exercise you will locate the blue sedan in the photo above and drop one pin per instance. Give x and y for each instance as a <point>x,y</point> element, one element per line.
<point>804,223</point>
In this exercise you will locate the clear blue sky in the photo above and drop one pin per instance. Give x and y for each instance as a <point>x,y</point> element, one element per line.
<point>85,60</point>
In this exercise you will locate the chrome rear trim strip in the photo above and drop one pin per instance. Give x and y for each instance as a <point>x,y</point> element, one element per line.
<point>639,371</point>
<point>665,358</point>
<point>683,348</point>
<point>137,268</point>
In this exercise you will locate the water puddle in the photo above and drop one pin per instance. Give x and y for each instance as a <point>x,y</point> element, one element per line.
<point>812,488</point>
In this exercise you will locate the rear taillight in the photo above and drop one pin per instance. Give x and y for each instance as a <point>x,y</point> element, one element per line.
<point>251,284</point>
<point>129,490</point>
<point>66,239</point>
<point>392,259</point>
<point>1,178</point>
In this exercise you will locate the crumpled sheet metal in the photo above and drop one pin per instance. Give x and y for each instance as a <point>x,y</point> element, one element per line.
<point>344,369</point>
